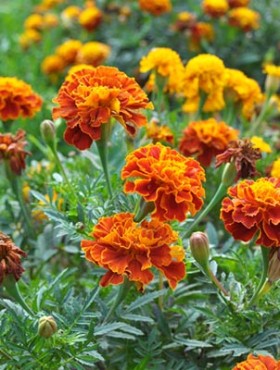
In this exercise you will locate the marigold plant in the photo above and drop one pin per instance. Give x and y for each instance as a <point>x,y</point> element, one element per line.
<point>253,209</point>
<point>206,139</point>
<point>167,178</point>
<point>128,249</point>
<point>92,96</point>
<point>17,99</point>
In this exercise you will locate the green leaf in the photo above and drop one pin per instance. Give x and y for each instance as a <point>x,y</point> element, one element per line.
<point>147,298</point>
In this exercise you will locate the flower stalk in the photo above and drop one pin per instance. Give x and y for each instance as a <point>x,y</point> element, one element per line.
<point>122,293</point>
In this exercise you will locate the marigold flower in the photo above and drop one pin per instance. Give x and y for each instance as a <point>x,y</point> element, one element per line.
<point>50,20</point>
<point>275,169</point>
<point>12,150</point>
<point>76,68</point>
<point>161,133</point>
<point>272,81</point>
<point>53,64</point>
<point>254,210</point>
<point>243,90</point>
<point>35,22</point>
<point>10,258</point>
<point>155,7</point>
<point>29,37</point>
<point>238,3</point>
<point>198,32</point>
<point>184,21</point>
<point>17,99</point>
<point>70,15</point>
<point>166,63</point>
<point>243,155</point>
<point>92,97</point>
<point>126,248</point>
<point>93,53</point>
<point>204,73</point>
<point>244,18</point>
<point>259,143</point>
<point>163,176</point>
<point>68,50</point>
<point>215,8</point>
<point>258,362</point>
<point>206,139</point>
<point>90,18</point>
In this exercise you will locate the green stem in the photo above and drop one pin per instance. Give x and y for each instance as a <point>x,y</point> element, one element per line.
<point>217,197</point>
<point>216,282</point>
<point>263,281</point>
<point>123,290</point>
<point>12,288</point>
<point>202,100</point>
<point>143,209</point>
<point>102,146</point>
<point>259,120</point>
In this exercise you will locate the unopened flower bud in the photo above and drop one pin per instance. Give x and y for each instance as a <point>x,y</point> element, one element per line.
<point>47,326</point>
<point>272,84</point>
<point>274,265</point>
<point>199,245</point>
<point>48,132</point>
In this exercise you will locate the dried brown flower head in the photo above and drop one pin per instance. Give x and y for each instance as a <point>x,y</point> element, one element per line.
<point>244,156</point>
<point>10,258</point>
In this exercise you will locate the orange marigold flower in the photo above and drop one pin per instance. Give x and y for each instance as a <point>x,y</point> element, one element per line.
<point>258,362</point>
<point>126,248</point>
<point>254,210</point>
<point>215,8</point>
<point>243,155</point>
<point>68,50</point>
<point>166,63</point>
<point>275,169</point>
<point>17,99</point>
<point>29,37</point>
<point>159,133</point>
<point>76,68</point>
<point>243,91</point>
<point>12,150</point>
<point>204,73</point>
<point>53,64</point>
<point>206,139</point>
<point>155,7</point>
<point>238,3</point>
<point>244,18</point>
<point>198,32</point>
<point>90,18</point>
<point>184,21</point>
<point>92,96</point>
<point>10,258</point>
<point>93,53</point>
<point>167,178</point>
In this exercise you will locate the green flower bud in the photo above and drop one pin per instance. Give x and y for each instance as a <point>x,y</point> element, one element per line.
<point>274,265</point>
<point>199,245</point>
<point>47,326</point>
<point>47,128</point>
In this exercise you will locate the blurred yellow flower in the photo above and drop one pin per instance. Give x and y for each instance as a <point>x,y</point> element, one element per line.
<point>93,53</point>
<point>29,37</point>
<point>198,32</point>
<point>204,73</point>
<point>50,20</point>
<point>275,169</point>
<point>259,143</point>
<point>35,22</point>
<point>238,3</point>
<point>215,8</point>
<point>68,50</point>
<point>244,18</point>
<point>90,18</point>
<point>52,64</point>
<point>166,63</point>
<point>155,7</point>
<point>70,15</point>
<point>159,133</point>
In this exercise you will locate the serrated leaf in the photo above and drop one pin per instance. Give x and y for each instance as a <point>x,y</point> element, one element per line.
<point>133,317</point>
<point>107,328</point>
<point>142,301</point>
<point>193,343</point>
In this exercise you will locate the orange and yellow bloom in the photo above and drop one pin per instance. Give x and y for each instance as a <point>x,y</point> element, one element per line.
<point>155,7</point>
<point>90,97</point>
<point>253,209</point>
<point>258,362</point>
<point>244,18</point>
<point>128,249</point>
<point>275,169</point>
<point>206,139</point>
<point>168,179</point>
<point>17,99</point>
<point>93,53</point>
<point>215,8</point>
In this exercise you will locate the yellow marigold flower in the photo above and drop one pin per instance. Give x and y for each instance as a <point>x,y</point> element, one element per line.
<point>275,169</point>
<point>259,143</point>
<point>35,22</point>
<point>204,73</point>
<point>215,8</point>
<point>68,50</point>
<point>198,32</point>
<point>29,37</point>
<point>52,64</point>
<point>184,21</point>
<point>47,5</point>
<point>155,7</point>
<point>90,18</point>
<point>76,68</point>
<point>17,99</point>
<point>70,15</point>
<point>238,3</point>
<point>50,20</point>
<point>244,18</point>
<point>272,81</point>
<point>206,139</point>
<point>159,133</point>
<point>243,90</point>
<point>166,63</point>
<point>93,53</point>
